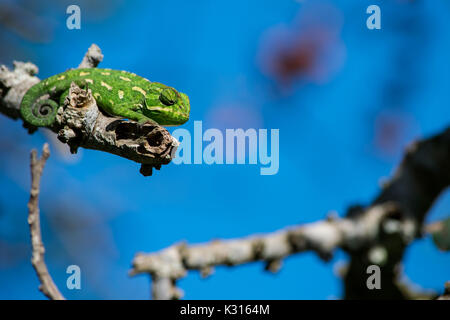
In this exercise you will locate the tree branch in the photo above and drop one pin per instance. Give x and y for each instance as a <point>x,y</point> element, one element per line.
<point>378,233</point>
<point>446,294</point>
<point>92,57</point>
<point>80,123</point>
<point>421,177</point>
<point>47,286</point>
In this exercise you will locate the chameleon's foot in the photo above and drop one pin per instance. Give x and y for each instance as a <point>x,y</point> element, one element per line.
<point>148,121</point>
<point>143,122</point>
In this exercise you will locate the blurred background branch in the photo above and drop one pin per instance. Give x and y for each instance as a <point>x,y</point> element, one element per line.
<point>446,294</point>
<point>377,235</point>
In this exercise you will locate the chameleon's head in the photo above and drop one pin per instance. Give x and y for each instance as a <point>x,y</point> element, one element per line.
<point>167,106</point>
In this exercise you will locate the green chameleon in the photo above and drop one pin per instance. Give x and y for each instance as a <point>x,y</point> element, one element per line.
<point>118,93</point>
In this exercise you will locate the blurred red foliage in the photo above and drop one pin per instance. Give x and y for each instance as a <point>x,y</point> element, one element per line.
<point>310,50</point>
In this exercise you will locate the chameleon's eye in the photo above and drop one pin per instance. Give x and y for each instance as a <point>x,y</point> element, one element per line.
<point>168,96</point>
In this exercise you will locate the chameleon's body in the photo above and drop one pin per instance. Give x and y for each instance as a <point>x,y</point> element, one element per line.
<point>118,93</point>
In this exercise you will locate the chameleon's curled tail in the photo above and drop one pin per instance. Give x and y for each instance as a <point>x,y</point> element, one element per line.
<point>38,110</point>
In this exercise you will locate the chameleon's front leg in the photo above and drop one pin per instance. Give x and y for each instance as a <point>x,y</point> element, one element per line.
<point>63,96</point>
<point>131,113</point>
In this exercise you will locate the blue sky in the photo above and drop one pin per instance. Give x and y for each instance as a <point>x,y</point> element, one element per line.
<point>341,131</point>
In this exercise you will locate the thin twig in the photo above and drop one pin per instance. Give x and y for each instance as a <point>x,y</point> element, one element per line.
<point>47,286</point>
